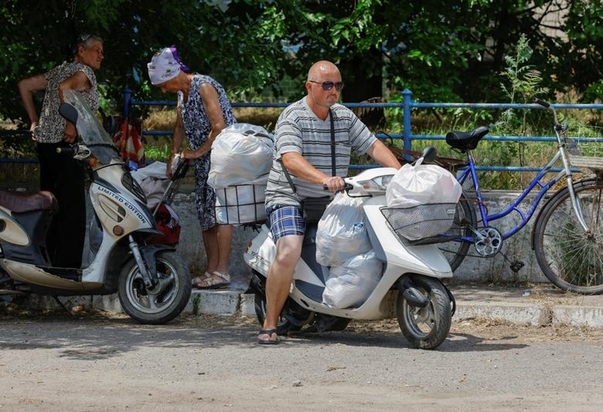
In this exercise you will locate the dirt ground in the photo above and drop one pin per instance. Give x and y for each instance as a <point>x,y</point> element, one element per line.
<point>94,361</point>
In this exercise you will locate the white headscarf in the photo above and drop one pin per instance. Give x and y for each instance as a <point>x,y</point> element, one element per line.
<point>165,65</point>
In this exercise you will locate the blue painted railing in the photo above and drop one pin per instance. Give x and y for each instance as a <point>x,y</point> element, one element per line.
<point>407,105</point>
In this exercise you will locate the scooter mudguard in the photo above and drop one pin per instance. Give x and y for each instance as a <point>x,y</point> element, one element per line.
<point>22,236</point>
<point>11,231</point>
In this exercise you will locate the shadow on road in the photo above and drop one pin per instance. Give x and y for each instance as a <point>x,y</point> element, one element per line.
<point>93,337</point>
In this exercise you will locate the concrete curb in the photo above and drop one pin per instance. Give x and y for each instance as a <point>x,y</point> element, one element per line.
<point>550,311</point>
<point>221,302</point>
<point>532,314</point>
<point>535,314</point>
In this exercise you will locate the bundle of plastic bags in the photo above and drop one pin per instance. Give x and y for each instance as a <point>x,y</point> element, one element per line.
<point>240,153</point>
<point>421,202</point>
<point>422,184</point>
<point>341,232</point>
<point>242,203</point>
<point>350,284</point>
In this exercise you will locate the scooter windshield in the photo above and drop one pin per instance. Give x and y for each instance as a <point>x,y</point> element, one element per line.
<point>90,130</point>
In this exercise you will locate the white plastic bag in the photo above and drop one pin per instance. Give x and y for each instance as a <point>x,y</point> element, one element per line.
<point>422,184</point>
<point>241,153</point>
<point>154,182</point>
<point>350,284</point>
<point>341,232</point>
<point>155,169</point>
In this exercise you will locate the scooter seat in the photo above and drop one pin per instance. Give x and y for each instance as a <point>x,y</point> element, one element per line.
<point>21,202</point>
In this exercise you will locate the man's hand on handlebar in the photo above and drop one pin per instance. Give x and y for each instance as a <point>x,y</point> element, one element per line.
<point>334,184</point>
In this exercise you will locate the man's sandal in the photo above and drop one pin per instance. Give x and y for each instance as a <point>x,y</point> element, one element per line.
<point>272,337</point>
<point>215,280</point>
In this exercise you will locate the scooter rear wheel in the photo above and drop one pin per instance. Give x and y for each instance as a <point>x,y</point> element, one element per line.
<point>287,321</point>
<point>167,299</point>
<point>428,327</point>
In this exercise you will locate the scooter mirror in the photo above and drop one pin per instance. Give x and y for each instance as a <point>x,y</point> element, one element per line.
<point>429,154</point>
<point>68,112</point>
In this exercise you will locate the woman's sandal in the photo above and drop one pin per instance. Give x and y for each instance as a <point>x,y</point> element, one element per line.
<point>270,340</point>
<point>215,280</point>
<point>198,279</point>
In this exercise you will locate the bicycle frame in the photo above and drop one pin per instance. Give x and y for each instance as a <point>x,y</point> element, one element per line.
<point>470,171</point>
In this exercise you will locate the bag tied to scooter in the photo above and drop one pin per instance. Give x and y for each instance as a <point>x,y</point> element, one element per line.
<point>421,202</point>
<point>341,232</point>
<point>350,284</point>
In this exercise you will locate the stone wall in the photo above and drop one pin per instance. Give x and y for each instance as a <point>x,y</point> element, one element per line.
<point>498,268</point>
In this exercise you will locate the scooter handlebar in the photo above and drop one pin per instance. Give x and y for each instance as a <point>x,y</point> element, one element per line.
<point>67,151</point>
<point>347,186</point>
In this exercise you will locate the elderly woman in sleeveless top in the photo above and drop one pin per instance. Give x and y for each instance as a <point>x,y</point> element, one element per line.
<point>203,112</point>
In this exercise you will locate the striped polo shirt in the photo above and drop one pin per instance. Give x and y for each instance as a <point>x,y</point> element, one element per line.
<point>299,130</point>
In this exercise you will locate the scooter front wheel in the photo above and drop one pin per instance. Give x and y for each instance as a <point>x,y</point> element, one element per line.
<point>166,300</point>
<point>426,327</point>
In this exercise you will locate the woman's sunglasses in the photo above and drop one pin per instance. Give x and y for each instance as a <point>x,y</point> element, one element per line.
<point>328,85</point>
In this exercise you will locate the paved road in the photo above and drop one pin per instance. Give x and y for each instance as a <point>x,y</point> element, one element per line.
<point>93,363</point>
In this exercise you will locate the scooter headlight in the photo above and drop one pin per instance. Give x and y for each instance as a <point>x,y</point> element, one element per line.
<point>377,184</point>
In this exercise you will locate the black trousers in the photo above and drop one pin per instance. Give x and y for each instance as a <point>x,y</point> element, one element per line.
<point>65,179</point>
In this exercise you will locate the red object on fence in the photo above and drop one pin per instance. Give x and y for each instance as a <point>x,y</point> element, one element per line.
<point>128,140</point>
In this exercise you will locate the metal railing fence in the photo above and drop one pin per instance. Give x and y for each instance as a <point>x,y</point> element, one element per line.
<point>407,106</point>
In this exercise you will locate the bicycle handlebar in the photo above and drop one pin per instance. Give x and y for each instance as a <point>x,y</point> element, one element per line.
<point>548,106</point>
<point>542,103</point>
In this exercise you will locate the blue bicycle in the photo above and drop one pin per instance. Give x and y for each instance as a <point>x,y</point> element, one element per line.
<point>567,236</point>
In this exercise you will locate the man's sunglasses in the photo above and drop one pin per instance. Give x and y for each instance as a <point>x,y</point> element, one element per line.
<point>328,85</point>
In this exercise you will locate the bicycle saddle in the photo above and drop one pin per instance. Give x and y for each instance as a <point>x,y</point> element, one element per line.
<point>466,140</point>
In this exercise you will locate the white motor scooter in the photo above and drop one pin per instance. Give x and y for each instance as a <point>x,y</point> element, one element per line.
<point>128,252</point>
<point>410,287</point>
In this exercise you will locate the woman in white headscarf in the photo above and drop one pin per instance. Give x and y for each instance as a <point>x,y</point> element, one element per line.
<point>203,112</point>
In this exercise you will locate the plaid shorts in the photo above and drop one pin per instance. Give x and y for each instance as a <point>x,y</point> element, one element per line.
<point>285,221</point>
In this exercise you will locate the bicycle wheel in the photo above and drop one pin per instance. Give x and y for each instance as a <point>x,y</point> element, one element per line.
<point>569,257</point>
<point>465,218</point>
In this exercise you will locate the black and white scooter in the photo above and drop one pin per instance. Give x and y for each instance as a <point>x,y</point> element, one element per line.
<point>127,254</point>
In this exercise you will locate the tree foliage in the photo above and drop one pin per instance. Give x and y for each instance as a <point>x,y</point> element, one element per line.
<point>440,50</point>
